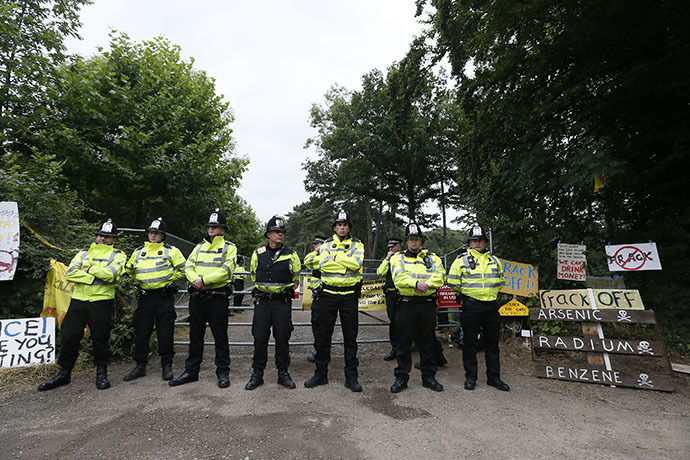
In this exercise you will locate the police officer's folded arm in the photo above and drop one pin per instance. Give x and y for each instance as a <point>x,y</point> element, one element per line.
<point>350,261</point>
<point>111,272</point>
<point>190,267</point>
<point>402,279</point>
<point>178,262</point>
<point>76,275</point>
<point>383,268</point>
<point>436,278</point>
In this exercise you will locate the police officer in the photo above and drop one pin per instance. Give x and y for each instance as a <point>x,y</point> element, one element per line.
<point>238,284</point>
<point>314,286</point>
<point>154,267</point>
<point>95,273</point>
<point>394,247</point>
<point>478,275</point>
<point>340,261</point>
<point>417,273</point>
<point>275,271</point>
<point>209,268</point>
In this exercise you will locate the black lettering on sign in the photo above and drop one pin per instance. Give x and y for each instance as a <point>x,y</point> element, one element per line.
<point>640,380</point>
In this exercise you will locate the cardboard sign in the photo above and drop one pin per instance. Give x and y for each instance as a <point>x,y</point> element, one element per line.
<point>26,342</point>
<point>640,380</point>
<point>628,299</point>
<point>447,296</point>
<point>513,308</point>
<point>9,239</point>
<point>605,282</point>
<point>520,279</point>
<point>571,262</point>
<point>633,257</point>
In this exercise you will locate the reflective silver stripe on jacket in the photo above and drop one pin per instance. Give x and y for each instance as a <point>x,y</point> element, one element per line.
<point>338,275</point>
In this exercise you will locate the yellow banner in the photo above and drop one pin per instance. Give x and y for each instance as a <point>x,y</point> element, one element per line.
<point>372,299</point>
<point>57,293</point>
<point>514,308</point>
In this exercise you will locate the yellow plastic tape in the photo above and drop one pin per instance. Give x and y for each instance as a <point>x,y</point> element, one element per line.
<point>41,239</point>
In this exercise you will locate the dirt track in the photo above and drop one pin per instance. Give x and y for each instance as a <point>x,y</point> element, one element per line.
<point>541,419</point>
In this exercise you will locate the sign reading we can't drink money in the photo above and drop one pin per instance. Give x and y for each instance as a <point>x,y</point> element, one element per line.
<point>571,262</point>
<point>633,257</point>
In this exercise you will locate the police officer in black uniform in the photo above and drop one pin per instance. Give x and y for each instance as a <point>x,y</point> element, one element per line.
<point>275,271</point>
<point>394,246</point>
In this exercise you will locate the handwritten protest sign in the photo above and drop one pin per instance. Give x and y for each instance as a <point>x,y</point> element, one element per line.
<point>9,239</point>
<point>582,298</point>
<point>520,278</point>
<point>373,297</point>
<point>514,308</point>
<point>571,262</point>
<point>633,257</point>
<point>605,282</point>
<point>25,342</point>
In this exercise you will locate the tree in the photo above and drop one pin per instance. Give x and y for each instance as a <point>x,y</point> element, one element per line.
<point>561,93</point>
<point>142,134</point>
<point>32,45</point>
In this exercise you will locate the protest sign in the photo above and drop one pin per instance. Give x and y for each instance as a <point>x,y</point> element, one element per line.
<point>520,278</point>
<point>373,297</point>
<point>514,308</point>
<point>571,262</point>
<point>633,257</point>
<point>9,239</point>
<point>447,297</point>
<point>28,341</point>
<point>57,293</point>
<point>583,298</point>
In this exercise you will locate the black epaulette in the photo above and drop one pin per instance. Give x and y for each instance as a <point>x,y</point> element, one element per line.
<point>328,239</point>
<point>356,240</point>
<point>462,254</point>
<point>167,245</point>
<point>287,250</point>
<point>140,247</point>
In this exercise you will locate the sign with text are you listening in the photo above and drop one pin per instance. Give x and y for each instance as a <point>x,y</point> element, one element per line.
<point>28,341</point>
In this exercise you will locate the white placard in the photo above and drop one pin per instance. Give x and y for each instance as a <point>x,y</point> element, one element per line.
<point>9,239</point>
<point>633,257</point>
<point>571,262</point>
<point>27,341</point>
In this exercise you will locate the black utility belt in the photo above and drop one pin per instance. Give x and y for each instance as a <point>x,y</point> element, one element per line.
<point>340,288</point>
<point>418,299</point>
<point>166,290</point>
<point>270,295</point>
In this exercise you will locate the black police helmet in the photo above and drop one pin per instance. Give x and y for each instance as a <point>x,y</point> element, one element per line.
<point>393,242</point>
<point>217,219</point>
<point>107,228</point>
<point>318,239</point>
<point>342,217</point>
<point>158,225</point>
<point>476,233</point>
<point>412,230</point>
<point>276,223</point>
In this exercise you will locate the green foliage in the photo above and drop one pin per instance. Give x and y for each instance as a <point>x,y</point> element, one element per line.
<point>32,34</point>
<point>144,134</point>
<point>49,207</point>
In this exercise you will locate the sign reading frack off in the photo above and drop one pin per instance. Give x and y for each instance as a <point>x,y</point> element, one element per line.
<point>628,299</point>
<point>520,278</point>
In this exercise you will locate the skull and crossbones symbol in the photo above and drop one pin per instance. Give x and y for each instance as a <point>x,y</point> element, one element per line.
<point>644,347</point>
<point>624,316</point>
<point>644,381</point>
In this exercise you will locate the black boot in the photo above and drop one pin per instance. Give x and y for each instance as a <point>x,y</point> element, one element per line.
<point>185,377</point>
<point>431,383</point>
<point>352,383</point>
<point>62,378</point>
<point>285,380</point>
<point>316,380</point>
<point>102,381</point>
<point>137,372</point>
<point>223,380</point>
<point>399,385</point>
<point>391,356</point>
<point>166,373</point>
<point>255,381</point>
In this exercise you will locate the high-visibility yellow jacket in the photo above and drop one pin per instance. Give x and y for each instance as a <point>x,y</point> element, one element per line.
<point>482,283</point>
<point>340,264</point>
<point>271,275</point>
<point>105,266</point>
<point>407,269</point>
<point>156,265</point>
<point>213,261</point>
<point>309,262</point>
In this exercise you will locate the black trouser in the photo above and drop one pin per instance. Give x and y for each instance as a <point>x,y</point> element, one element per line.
<point>238,285</point>
<point>276,314</point>
<point>211,309</point>
<point>415,321</point>
<point>155,307</point>
<point>479,315</point>
<point>315,316</point>
<point>391,299</point>
<point>330,305</point>
<point>98,316</point>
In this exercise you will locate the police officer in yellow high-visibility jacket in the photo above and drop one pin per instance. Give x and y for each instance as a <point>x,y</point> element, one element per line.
<point>340,261</point>
<point>478,276</point>
<point>417,273</point>
<point>209,269</point>
<point>311,262</point>
<point>275,271</point>
<point>383,270</point>
<point>95,274</point>
<point>154,267</point>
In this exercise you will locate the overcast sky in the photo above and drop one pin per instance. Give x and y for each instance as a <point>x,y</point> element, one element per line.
<point>271,60</point>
